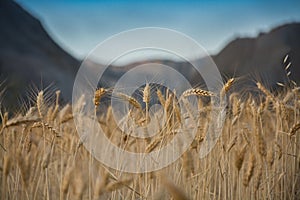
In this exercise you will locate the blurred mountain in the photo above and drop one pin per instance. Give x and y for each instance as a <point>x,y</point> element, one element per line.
<point>28,55</point>
<point>261,58</point>
<point>251,59</point>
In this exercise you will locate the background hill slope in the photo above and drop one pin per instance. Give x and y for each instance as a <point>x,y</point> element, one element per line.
<point>28,55</point>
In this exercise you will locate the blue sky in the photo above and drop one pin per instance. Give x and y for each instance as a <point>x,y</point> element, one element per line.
<point>78,25</point>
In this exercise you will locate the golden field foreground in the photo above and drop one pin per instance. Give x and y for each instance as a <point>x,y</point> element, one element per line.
<point>256,157</point>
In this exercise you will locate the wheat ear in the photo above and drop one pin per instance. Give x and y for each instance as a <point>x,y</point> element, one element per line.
<point>130,100</point>
<point>40,103</point>
<point>197,92</point>
<point>161,98</point>
<point>226,88</point>
<point>266,92</point>
<point>99,93</point>
<point>239,157</point>
<point>146,100</point>
<point>249,171</point>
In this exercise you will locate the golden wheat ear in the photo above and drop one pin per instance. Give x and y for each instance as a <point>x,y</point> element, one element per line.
<point>99,93</point>
<point>146,100</point>
<point>146,94</point>
<point>161,97</point>
<point>131,100</point>
<point>249,171</point>
<point>197,92</point>
<point>266,92</point>
<point>40,104</point>
<point>239,157</point>
<point>227,86</point>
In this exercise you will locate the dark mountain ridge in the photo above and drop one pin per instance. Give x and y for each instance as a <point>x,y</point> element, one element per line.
<point>262,57</point>
<point>28,55</point>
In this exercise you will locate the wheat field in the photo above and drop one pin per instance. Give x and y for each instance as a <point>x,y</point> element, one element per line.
<point>256,157</point>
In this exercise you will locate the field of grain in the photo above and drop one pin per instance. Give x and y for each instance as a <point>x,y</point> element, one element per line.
<point>256,157</point>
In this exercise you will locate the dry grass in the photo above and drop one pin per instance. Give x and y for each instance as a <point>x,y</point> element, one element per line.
<point>256,157</point>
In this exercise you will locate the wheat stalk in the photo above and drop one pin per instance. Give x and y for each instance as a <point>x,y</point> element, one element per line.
<point>270,156</point>
<point>56,108</point>
<point>187,164</point>
<point>279,150</point>
<point>66,182</point>
<point>78,185</point>
<point>100,185</point>
<point>153,144</point>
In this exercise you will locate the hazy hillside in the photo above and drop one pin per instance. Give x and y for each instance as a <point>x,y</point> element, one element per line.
<point>29,56</point>
<point>263,55</point>
<point>252,59</point>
